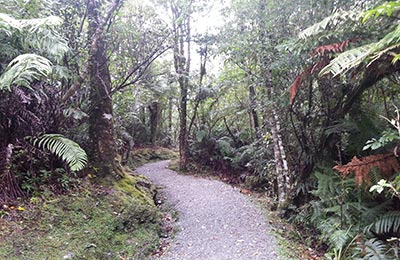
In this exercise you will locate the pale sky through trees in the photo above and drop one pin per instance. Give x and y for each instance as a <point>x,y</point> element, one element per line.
<point>205,22</point>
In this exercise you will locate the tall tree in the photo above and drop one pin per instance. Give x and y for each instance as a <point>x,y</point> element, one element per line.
<point>181,16</point>
<point>101,127</point>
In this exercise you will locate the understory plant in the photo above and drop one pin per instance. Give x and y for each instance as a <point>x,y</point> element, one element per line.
<point>353,222</point>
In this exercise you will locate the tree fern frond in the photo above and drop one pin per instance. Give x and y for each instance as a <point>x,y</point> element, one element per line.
<point>9,23</point>
<point>33,25</point>
<point>385,9</point>
<point>23,70</point>
<point>39,34</point>
<point>334,20</point>
<point>347,60</point>
<point>352,58</point>
<point>387,44</point>
<point>64,148</point>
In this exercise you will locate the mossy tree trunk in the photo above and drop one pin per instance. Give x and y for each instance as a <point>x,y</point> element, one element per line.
<point>101,127</point>
<point>154,110</point>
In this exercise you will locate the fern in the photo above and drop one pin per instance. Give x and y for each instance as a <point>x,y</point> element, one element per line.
<point>388,44</point>
<point>386,223</point>
<point>371,52</point>
<point>335,20</point>
<point>41,35</point>
<point>64,148</point>
<point>347,60</point>
<point>340,238</point>
<point>374,249</point>
<point>23,70</point>
<point>384,9</point>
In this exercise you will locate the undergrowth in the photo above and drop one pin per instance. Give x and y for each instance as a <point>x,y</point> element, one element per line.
<point>292,243</point>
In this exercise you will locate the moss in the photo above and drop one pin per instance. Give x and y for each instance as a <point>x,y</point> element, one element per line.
<point>137,193</point>
<point>93,223</point>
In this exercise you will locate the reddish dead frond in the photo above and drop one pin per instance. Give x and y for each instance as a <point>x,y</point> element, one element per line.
<point>386,164</point>
<point>297,83</point>
<point>332,48</point>
<point>319,65</point>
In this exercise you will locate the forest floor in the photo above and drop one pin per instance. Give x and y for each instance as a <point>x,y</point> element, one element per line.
<point>216,221</point>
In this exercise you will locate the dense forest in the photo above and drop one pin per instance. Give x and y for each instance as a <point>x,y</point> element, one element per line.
<point>296,99</point>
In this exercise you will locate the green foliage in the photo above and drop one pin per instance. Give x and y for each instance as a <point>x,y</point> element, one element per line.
<point>387,136</point>
<point>350,220</point>
<point>39,36</point>
<point>141,156</point>
<point>64,148</point>
<point>23,70</point>
<point>371,52</point>
<point>385,9</point>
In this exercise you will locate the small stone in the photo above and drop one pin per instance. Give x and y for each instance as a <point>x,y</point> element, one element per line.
<point>68,256</point>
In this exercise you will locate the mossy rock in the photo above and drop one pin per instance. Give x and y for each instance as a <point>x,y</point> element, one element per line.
<point>138,194</point>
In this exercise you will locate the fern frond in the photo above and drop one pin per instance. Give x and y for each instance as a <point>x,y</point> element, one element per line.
<point>33,25</point>
<point>386,223</point>
<point>387,44</point>
<point>9,23</point>
<point>385,9</point>
<point>374,249</point>
<point>64,148</point>
<point>386,164</point>
<point>23,70</point>
<point>335,20</point>
<point>340,238</point>
<point>347,60</point>
<point>39,34</point>
<point>352,58</point>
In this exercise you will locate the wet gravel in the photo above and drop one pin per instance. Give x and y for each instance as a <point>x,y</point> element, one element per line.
<point>216,221</point>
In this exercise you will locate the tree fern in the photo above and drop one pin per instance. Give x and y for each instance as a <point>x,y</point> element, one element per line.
<point>335,20</point>
<point>64,148</point>
<point>385,9</point>
<point>347,60</point>
<point>387,45</point>
<point>23,70</point>
<point>372,52</point>
<point>41,35</point>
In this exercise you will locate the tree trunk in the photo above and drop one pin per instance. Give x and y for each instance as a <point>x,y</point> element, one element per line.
<point>182,38</point>
<point>101,127</point>
<point>253,106</point>
<point>281,166</point>
<point>154,109</point>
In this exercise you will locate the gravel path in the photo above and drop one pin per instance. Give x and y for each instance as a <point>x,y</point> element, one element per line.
<point>216,221</point>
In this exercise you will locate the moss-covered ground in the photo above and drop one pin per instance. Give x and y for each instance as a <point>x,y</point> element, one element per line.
<point>92,222</point>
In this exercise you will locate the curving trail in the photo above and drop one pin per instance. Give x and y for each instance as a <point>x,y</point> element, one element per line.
<point>216,221</point>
